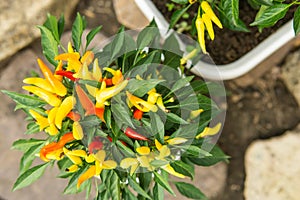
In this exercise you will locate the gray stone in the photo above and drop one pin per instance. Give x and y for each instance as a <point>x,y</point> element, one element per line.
<point>129,14</point>
<point>291,74</point>
<point>18,20</point>
<point>210,180</point>
<point>272,168</point>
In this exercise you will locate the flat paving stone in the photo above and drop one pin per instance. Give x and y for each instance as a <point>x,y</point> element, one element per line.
<point>272,168</point>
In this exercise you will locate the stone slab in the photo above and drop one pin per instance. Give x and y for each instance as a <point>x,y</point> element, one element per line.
<point>272,168</point>
<point>129,14</point>
<point>291,74</point>
<point>18,21</point>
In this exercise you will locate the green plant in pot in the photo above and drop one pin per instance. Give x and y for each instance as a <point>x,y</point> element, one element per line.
<point>244,33</point>
<point>119,120</point>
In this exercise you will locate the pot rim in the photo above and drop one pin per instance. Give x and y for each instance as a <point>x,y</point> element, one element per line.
<point>236,68</point>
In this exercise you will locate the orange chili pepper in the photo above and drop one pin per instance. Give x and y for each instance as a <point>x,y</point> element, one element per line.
<point>100,113</point>
<point>85,101</point>
<point>73,116</point>
<point>138,114</point>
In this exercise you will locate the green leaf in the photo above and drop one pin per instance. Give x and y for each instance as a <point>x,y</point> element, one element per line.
<point>146,37</point>
<point>183,168</point>
<point>72,185</point>
<point>125,150</point>
<point>296,21</point>
<point>91,35</point>
<point>52,25</point>
<point>145,180</point>
<point>129,195</point>
<point>262,2</point>
<point>158,163</point>
<point>271,15</point>
<point>121,115</point>
<point>23,99</point>
<point>90,121</point>
<point>141,87</point>
<point>217,156</point>
<point>158,192</point>
<point>77,30</point>
<point>29,157</point>
<point>24,145</point>
<point>30,176</point>
<point>31,128</point>
<point>197,152</point>
<point>176,119</point>
<point>229,11</point>
<point>114,186</point>
<point>49,45</point>
<point>107,118</point>
<point>137,188</point>
<point>189,191</point>
<point>163,182</point>
<point>117,43</point>
<point>61,25</point>
<point>180,1</point>
<point>157,125</point>
<point>151,58</point>
<point>181,83</point>
<point>177,15</point>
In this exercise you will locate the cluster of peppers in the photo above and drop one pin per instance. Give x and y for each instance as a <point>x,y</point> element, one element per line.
<point>73,67</point>
<point>204,22</point>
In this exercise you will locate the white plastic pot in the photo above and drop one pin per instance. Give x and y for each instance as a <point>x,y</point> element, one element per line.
<point>236,68</point>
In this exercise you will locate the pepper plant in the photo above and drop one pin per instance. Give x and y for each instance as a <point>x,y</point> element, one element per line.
<point>122,118</point>
<point>269,12</point>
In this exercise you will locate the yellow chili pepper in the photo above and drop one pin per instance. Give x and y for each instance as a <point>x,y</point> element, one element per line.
<point>209,131</point>
<point>59,68</point>
<point>70,48</point>
<point>68,56</point>
<point>207,9</point>
<point>104,94</point>
<point>65,107</point>
<point>209,27</point>
<point>58,87</point>
<point>87,58</point>
<point>77,131</point>
<point>72,168</point>
<point>50,98</point>
<point>117,75</point>
<point>192,1</point>
<point>201,31</point>
<point>141,104</point>
<point>75,159</point>
<point>97,73</point>
<point>40,120</point>
<point>39,82</point>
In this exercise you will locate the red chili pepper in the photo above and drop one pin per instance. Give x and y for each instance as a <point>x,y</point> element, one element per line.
<point>85,101</point>
<point>67,74</point>
<point>138,114</point>
<point>73,116</point>
<point>134,135</point>
<point>95,145</point>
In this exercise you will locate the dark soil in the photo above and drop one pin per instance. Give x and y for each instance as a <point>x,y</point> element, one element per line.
<point>229,45</point>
